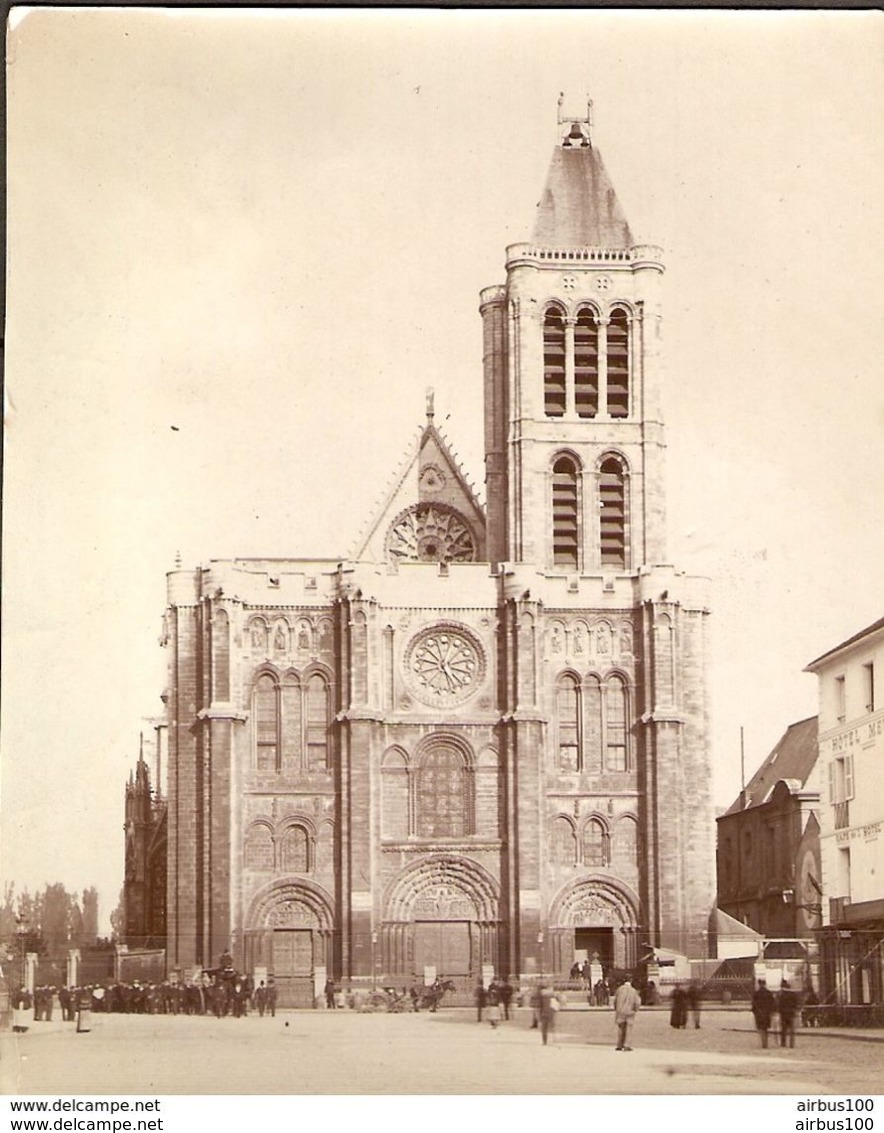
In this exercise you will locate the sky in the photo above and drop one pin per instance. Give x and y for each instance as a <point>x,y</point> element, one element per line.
<point>241,246</point>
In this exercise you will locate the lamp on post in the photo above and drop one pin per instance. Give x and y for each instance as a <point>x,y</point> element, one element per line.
<point>540,953</point>
<point>22,930</point>
<point>374,964</point>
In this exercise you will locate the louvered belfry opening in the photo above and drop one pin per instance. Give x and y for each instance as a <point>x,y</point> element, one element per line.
<point>554,363</point>
<point>565,547</point>
<point>586,364</point>
<point>612,508</point>
<point>618,364</point>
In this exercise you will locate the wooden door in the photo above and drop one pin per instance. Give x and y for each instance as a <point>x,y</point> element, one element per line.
<point>293,966</point>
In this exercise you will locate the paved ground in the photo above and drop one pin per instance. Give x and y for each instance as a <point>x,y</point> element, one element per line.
<point>343,1052</point>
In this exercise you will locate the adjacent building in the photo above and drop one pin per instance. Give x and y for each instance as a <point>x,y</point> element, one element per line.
<point>482,741</point>
<point>769,874</point>
<point>851,755</point>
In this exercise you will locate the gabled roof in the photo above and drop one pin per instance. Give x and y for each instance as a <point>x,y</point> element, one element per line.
<point>873,628</point>
<point>579,207</point>
<point>429,473</point>
<point>794,757</point>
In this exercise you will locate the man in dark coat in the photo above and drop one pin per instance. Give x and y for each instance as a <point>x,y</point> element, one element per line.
<point>787,1006</point>
<point>678,1014</point>
<point>762,1010</point>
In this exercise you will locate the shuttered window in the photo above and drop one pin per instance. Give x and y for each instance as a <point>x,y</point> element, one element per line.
<point>586,364</point>
<point>554,363</point>
<point>612,509</point>
<point>618,364</point>
<point>564,490</point>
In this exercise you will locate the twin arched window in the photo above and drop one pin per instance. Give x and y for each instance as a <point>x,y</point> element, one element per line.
<point>291,722</point>
<point>566,513</point>
<point>589,362</point>
<point>592,724</point>
<point>439,794</point>
<point>291,853</point>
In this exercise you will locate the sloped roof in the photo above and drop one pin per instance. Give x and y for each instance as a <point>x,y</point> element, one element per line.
<point>724,924</point>
<point>879,624</point>
<point>793,757</point>
<point>579,207</point>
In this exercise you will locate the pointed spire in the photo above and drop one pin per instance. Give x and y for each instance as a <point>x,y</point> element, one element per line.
<point>579,207</point>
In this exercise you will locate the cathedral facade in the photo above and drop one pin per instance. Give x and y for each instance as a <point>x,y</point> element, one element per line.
<point>482,742</point>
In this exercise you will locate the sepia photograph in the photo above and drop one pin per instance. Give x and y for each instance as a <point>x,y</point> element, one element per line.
<point>443,560</point>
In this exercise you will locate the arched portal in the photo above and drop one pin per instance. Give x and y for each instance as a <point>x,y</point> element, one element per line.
<point>288,934</point>
<point>440,919</point>
<point>596,919</point>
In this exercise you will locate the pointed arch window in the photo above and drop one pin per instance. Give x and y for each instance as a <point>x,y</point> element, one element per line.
<point>266,714</point>
<point>616,754</point>
<point>442,804</point>
<point>618,364</point>
<point>596,844</point>
<point>586,364</point>
<point>612,513</point>
<point>568,719</point>
<point>554,363</point>
<point>564,501</point>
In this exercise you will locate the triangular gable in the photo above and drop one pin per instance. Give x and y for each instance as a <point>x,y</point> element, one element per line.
<point>429,475</point>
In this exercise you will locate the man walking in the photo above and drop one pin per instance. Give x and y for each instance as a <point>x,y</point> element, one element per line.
<point>626,1003</point>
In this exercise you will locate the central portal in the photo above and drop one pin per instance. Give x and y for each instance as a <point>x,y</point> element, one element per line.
<point>595,942</point>
<point>292,951</point>
<point>445,946</point>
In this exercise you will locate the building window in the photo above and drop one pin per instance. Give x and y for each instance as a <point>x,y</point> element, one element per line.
<point>564,489</point>
<point>554,363</point>
<point>841,698</point>
<point>442,810</point>
<point>869,682</point>
<point>841,779</point>
<point>266,715</point>
<point>586,364</point>
<point>616,753</point>
<point>316,715</point>
<point>596,849</point>
<point>568,718</point>
<point>294,850</point>
<point>258,849</point>
<point>618,364</point>
<point>564,844</point>
<point>612,513</point>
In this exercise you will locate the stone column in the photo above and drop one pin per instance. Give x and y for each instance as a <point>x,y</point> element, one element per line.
<point>603,369</point>
<point>570,403</point>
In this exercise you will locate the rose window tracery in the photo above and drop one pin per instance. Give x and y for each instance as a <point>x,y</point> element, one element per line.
<point>431,533</point>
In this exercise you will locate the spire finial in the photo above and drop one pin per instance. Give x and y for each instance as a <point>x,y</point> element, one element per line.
<point>430,400</point>
<point>178,560</point>
<point>561,100</point>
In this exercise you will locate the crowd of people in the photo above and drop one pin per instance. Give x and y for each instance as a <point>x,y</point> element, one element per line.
<point>219,994</point>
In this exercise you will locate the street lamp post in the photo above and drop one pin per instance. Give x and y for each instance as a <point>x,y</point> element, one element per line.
<point>540,953</point>
<point>374,963</point>
<point>22,929</point>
